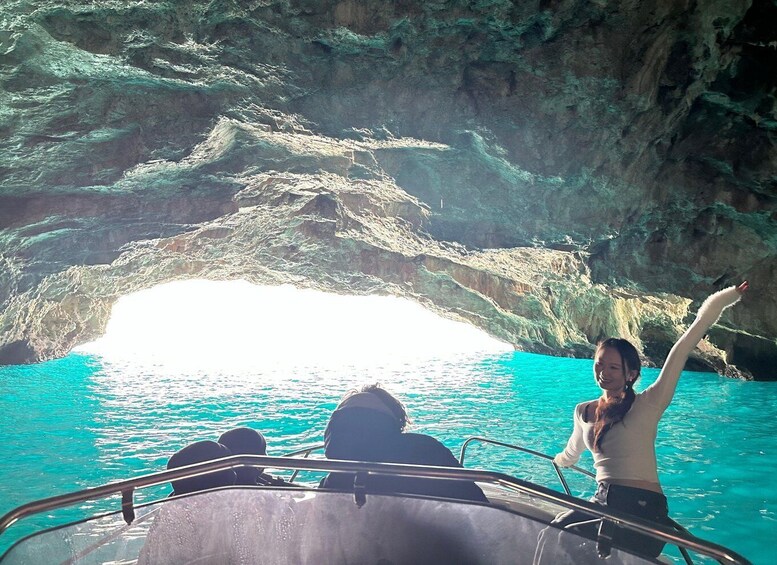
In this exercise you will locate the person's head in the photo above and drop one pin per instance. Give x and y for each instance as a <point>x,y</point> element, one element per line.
<point>616,365</point>
<point>377,398</point>
<point>198,452</point>
<point>363,424</point>
<point>616,369</point>
<point>245,441</point>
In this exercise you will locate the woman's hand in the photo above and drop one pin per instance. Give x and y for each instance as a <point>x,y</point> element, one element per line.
<point>743,287</point>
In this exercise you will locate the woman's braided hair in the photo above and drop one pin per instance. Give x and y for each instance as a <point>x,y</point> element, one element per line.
<point>610,411</point>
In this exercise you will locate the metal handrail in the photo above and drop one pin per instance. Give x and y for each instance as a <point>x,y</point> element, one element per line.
<point>305,451</point>
<point>718,552</point>
<point>560,475</point>
<point>530,452</point>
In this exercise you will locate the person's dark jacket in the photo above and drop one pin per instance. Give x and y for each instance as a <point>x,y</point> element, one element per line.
<point>362,434</point>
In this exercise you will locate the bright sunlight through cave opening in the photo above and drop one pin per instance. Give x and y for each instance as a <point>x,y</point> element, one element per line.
<point>203,325</point>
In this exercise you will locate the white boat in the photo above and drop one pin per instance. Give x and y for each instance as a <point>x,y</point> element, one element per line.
<point>301,523</point>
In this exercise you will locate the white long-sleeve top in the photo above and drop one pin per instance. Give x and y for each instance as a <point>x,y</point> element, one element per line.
<point>628,449</point>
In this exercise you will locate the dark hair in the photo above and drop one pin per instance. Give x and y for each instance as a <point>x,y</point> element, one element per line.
<point>610,411</point>
<point>244,441</point>
<point>394,406</point>
<point>198,452</point>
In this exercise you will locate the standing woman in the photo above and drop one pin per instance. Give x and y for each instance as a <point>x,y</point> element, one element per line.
<point>619,428</point>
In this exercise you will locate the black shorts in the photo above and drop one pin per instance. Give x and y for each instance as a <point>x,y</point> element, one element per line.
<point>639,502</point>
<point>643,503</point>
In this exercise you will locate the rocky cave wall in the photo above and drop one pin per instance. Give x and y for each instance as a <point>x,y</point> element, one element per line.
<point>551,171</point>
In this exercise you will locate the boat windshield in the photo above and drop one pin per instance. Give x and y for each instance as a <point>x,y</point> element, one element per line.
<point>286,525</point>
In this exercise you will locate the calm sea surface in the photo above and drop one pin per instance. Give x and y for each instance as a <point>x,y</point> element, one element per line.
<point>79,422</point>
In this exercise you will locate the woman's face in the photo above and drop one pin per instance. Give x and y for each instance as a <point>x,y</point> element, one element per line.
<point>610,371</point>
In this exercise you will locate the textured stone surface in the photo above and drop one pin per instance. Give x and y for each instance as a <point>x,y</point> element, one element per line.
<point>553,172</point>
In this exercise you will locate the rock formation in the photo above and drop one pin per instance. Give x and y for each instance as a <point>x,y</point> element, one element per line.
<point>551,171</point>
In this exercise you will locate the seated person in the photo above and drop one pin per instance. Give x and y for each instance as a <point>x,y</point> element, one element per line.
<point>421,449</point>
<point>368,425</point>
<point>362,423</point>
<point>198,452</point>
<point>247,441</point>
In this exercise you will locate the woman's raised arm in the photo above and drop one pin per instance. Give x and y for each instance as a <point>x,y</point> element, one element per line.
<point>660,393</point>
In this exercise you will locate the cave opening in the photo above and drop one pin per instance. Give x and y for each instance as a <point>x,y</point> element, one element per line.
<point>205,325</point>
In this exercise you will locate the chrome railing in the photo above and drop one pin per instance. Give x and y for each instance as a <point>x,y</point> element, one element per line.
<point>305,452</point>
<point>560,475</point>
<point>128,487</point>
<point>539,454</point>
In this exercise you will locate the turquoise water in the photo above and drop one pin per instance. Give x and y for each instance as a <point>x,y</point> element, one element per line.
<point>78,422</point>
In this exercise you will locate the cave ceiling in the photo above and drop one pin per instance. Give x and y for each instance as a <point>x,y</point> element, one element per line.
<point>552,172</point>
